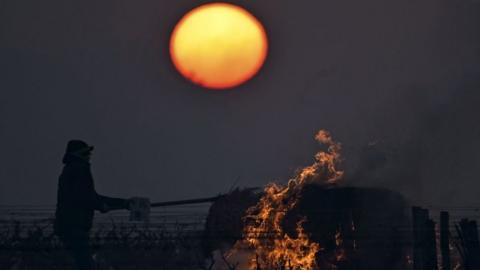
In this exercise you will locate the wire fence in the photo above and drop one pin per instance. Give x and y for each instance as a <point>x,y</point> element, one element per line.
<point>172,239</point>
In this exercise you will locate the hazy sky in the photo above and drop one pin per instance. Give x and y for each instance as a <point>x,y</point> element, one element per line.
<point>402,75</point>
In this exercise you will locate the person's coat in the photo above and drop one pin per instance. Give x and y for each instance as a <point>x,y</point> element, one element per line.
<point>77,199</point>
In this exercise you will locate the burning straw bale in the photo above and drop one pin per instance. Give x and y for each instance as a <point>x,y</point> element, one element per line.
<point>356,228</point>
<point>311,223</point>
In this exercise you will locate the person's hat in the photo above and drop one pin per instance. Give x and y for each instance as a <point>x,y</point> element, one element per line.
<point>78,146</point>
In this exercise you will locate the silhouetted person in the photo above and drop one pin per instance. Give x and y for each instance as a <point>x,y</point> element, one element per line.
<point>76,202</point>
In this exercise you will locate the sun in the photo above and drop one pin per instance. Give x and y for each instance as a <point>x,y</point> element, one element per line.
<point>218,46</point>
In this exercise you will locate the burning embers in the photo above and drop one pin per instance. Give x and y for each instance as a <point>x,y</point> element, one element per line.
<point>265,239</point>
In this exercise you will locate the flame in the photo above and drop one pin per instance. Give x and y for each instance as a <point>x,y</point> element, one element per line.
<point>263,233</point>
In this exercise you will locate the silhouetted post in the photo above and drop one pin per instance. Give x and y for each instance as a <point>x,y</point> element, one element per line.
<point>468,233</point>
<point>424,241</point>
<point>430,246</point>
<point>420,217</point>
<point>445,240</point>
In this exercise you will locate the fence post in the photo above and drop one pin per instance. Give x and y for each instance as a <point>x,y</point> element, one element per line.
<point>424,240</point>
<point>430,246</point>
<point>445,240</point>
<point>468,233</point>
<point>419,220</point>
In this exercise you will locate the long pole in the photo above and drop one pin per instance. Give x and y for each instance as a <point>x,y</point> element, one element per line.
<point>183,202</point>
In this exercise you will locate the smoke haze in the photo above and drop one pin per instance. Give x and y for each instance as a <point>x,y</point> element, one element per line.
<point>396,82</point>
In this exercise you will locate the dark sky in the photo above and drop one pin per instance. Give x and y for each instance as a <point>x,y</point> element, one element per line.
<point>400,76</point>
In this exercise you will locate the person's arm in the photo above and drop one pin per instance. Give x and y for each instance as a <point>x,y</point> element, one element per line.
<point>88,197</point>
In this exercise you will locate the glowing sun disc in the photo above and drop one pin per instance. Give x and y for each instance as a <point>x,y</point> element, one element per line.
<point>218,45</point>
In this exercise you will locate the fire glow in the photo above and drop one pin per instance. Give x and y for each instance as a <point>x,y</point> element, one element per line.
<point>267,244</point>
